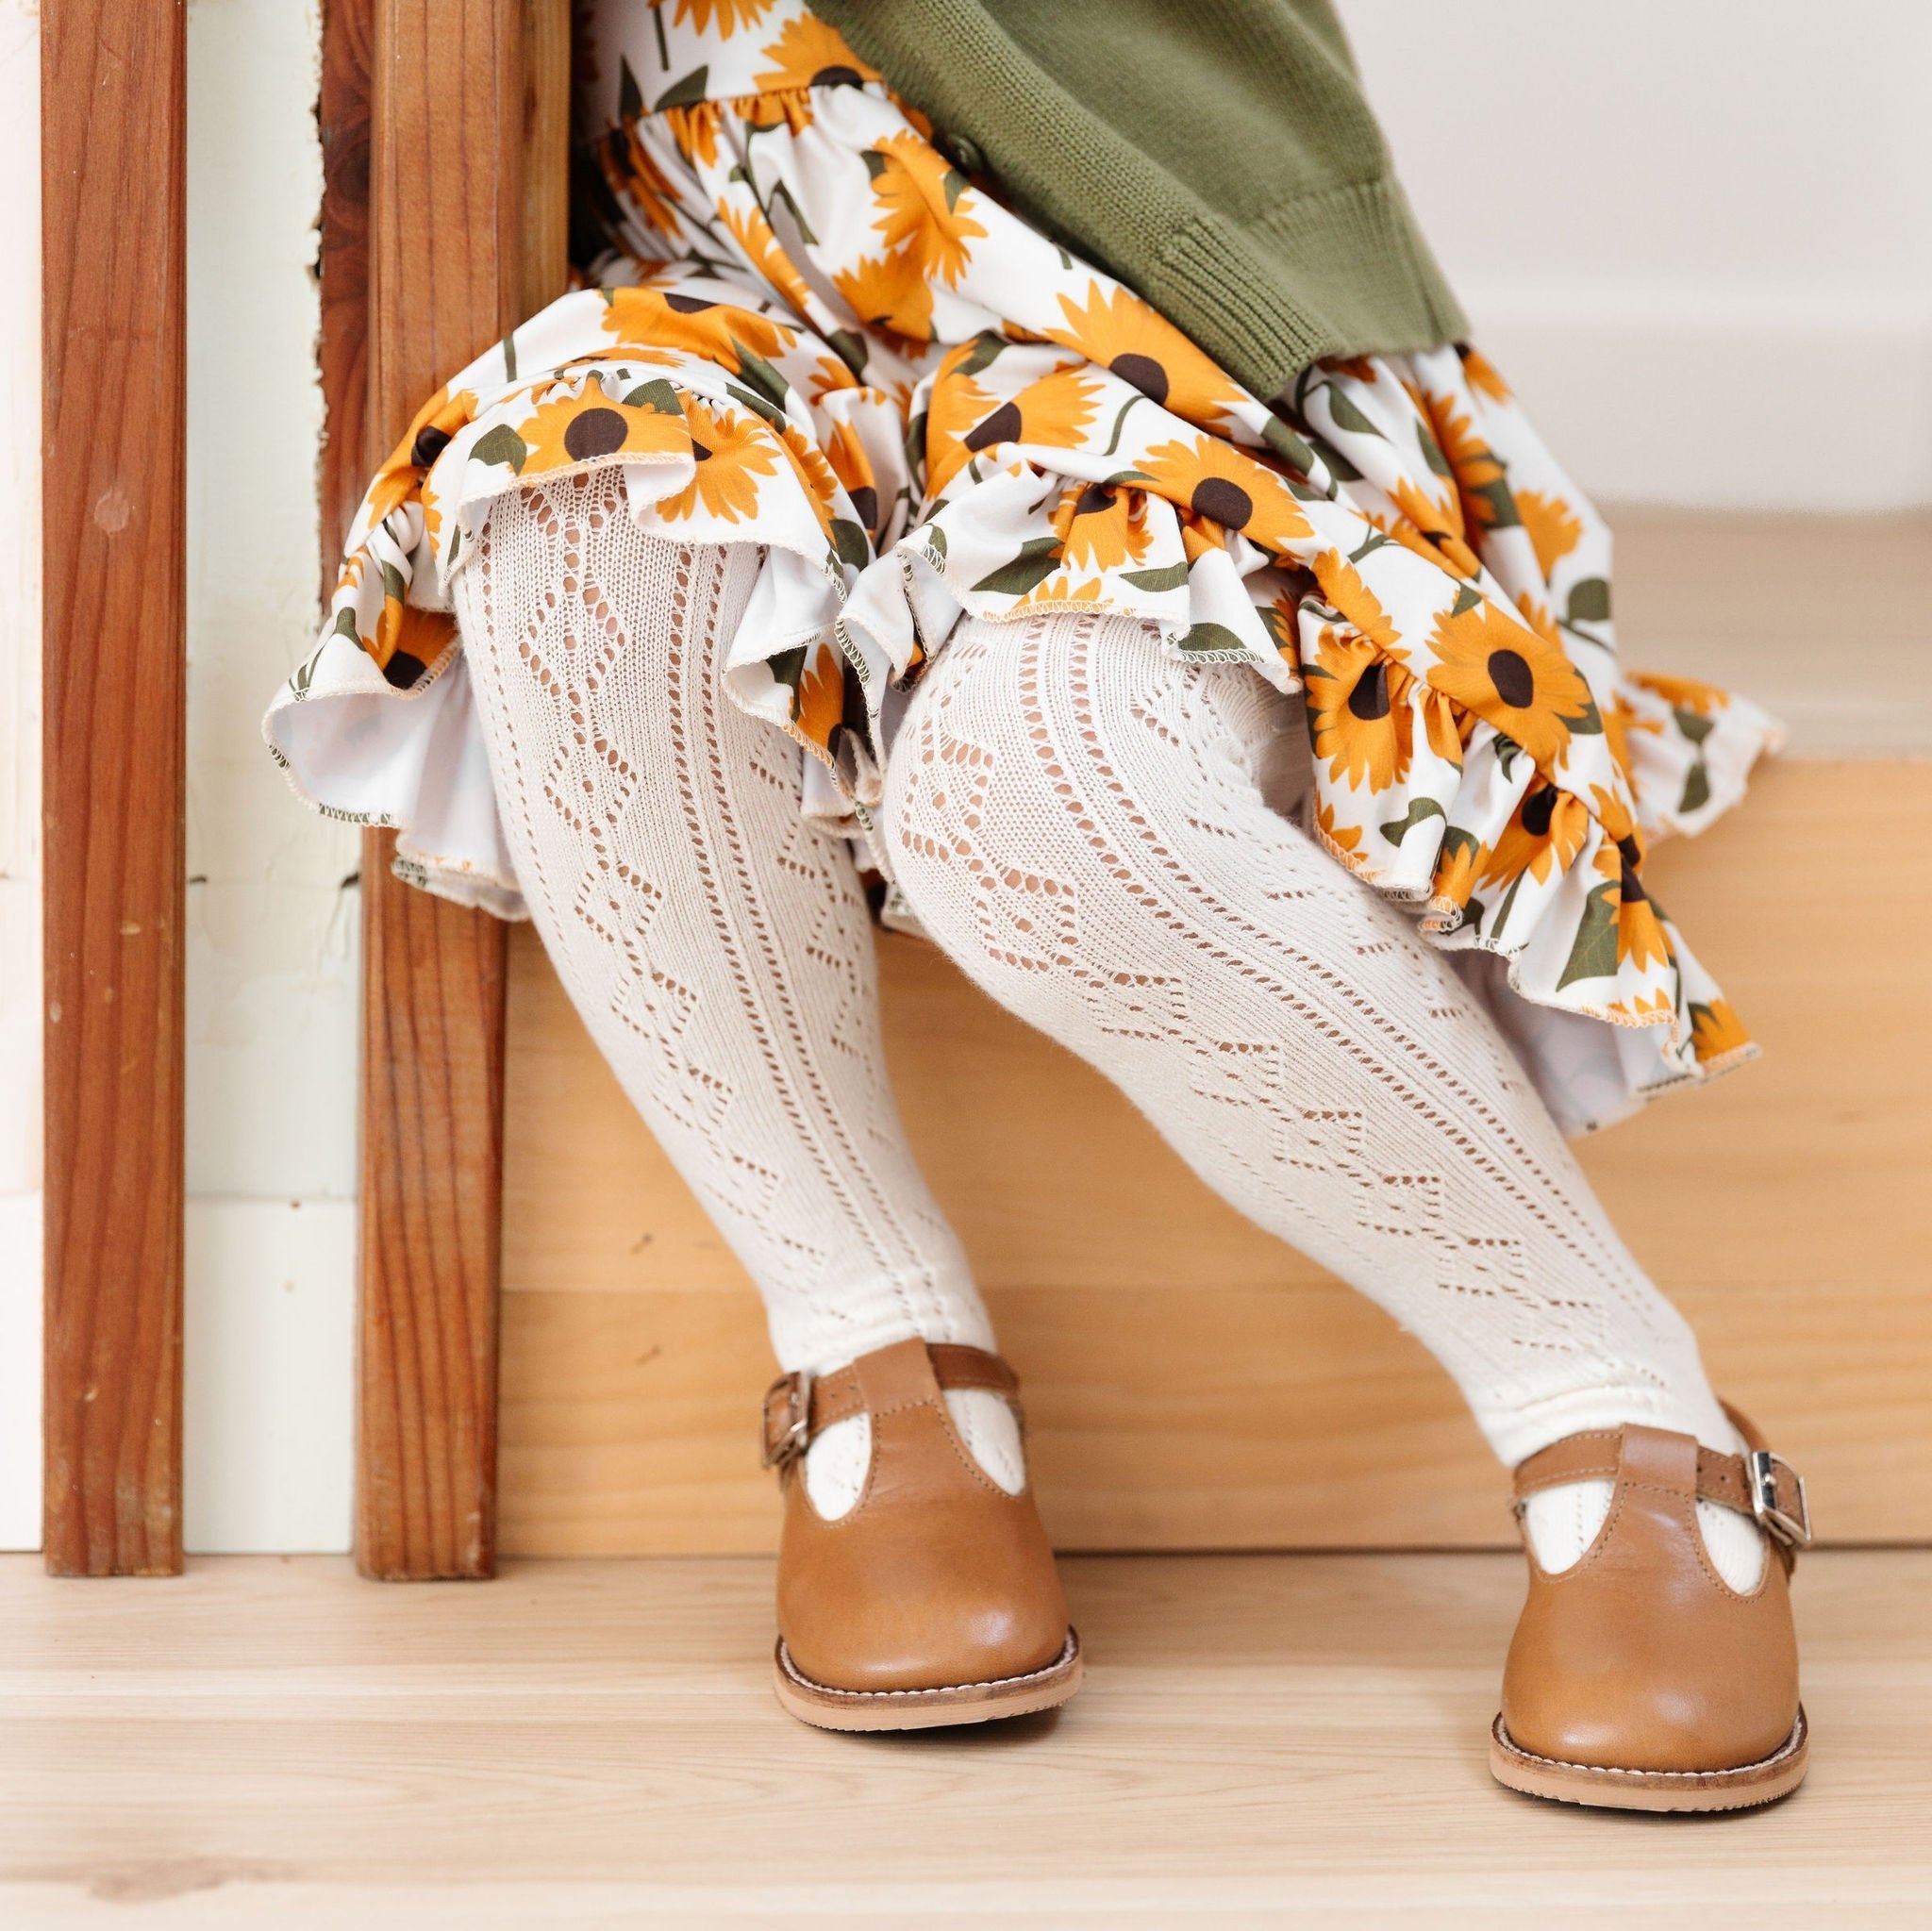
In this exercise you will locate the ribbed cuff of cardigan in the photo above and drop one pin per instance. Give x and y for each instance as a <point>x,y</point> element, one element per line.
<point>1382,291</point>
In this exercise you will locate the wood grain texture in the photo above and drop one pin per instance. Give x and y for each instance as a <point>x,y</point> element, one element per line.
<point>1193,1383</point>
<point>113,107</point>
<point>343,121</point>
<point>1278,1742</point>
<point>467,173</point>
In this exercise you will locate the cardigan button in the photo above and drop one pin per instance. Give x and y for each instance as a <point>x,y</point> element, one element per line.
<point>965,154</point>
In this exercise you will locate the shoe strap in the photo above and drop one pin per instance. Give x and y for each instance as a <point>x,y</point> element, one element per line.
<point>1759,1484</point>
<point>799,1407</point>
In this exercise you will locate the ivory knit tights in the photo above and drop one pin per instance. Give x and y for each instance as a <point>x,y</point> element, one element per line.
<point>717,949</point>
<point>1080,823</point>
<point>1085,826</point>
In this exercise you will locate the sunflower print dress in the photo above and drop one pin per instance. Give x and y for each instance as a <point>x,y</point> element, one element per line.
<point>814,333</point>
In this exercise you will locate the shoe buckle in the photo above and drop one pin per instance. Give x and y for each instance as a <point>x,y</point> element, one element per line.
<point>793,1443</point>
<point>1760,1480</point>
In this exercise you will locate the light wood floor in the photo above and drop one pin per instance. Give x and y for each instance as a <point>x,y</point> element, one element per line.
<point>1263,1739</point>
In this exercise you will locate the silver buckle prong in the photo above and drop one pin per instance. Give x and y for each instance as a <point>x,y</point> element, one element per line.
<point>797,1436</point>
<point>1760,1479</point>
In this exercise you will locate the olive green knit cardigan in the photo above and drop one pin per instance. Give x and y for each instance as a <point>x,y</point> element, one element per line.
<point>1217,156</point>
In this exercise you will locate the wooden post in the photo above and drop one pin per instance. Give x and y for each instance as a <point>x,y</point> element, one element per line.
<point>113,79</point>
<point>467,185</point>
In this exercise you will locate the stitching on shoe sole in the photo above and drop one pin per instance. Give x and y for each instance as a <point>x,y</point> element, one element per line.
<point>1068,1652</point>
<point>1788,1748</point>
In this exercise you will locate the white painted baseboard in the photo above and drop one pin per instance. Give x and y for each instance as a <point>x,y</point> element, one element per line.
<point>1719,401</point>
<point>20,1371</point>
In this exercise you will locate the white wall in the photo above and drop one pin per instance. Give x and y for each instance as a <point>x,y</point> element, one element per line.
<point>271,918</point>
<point>20,775</point>
<point>1698,236</point>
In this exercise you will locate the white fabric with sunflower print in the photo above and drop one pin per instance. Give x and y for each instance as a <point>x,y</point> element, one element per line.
<point>819,336</point>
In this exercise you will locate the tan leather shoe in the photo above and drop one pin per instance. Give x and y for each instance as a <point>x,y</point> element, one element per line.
<point>1639,1679</point>
<point>934,1599</point>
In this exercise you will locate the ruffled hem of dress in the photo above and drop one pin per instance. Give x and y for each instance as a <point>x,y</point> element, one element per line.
<point>1568,915</point>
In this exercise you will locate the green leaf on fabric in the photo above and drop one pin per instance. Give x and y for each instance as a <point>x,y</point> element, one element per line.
<point>1502,504</point>
<point>788,667</point>
<point>687,92</point>
<point>502,445</point>
<point>1290,447</point>
<point>988,346</point>
<point>1432,450</point>
<point>875,163</point>
<point>850,541</point>
<point>392,583</point>
<point>1696,787</point>
<point>1339,465</point>
<point>953,185</point>
<point>758,405</point>
<point>1467,598</point>
<point>345,626</point>
<point>851,348</point>
<point>630,96</point>
<point>1348,417</point>
<point>1038,558</point>
<point>1459,842</point>
<point>1595,954</point>
<point>1590,601</point>
<point>1694,727</point>
<point>658,397</point>
<point>781,193</point>
<point>1174,577</point>
<point>1419,811</point>
<point>1589,722</point>
<point>1215,639</point>
<point>1280,631</point>
<point>754,370</point>
<point>1122,477</point>
<point>936,542</point>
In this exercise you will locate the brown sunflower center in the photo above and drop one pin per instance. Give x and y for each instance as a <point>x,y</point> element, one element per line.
<point>1145,372</point>
<point>596,432</point>
<point>1225,501</point>
<point>1515,682</point>
<point>1369,700</point>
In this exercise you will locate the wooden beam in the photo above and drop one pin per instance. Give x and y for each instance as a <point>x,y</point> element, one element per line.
<point>114,77</point>
<point>467,184</point>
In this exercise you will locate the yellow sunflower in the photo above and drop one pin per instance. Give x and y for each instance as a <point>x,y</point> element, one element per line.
<point>1472,462</point>
<point>1683,694</point>
<point>1545,834</point>
<point>731,14</point>
<point>1056,410</point>
<point>811,54</point>
<point>719,331</point>
<point>1358,716</point>
<point>732,452</point>
<point>1492,665</point>
<point>925,203</point>
<point>890,294</point>
<point>1554,529</point>
<point>809,462</point>
<point>1340,839</point>
<point>1439,525</point>
<point>1209,478</point>
<point>957,406</point>
<point>1716,1031</point>
<point>1101,528</point>
<point>753,233</point>
<point>1121,332</point>
<point>1640,937</point>
<point>1459,866</point>
<point>818,706</point>
<point>696,131</point>
<point>1481,375</point>
<point>852,467</point>
<point>1342,585</point>
<point>569,429</point>
<point>635,175</point>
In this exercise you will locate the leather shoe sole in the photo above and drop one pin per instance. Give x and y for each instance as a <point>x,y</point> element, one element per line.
<point>926,1709</point>
<point>1751,1784</point>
